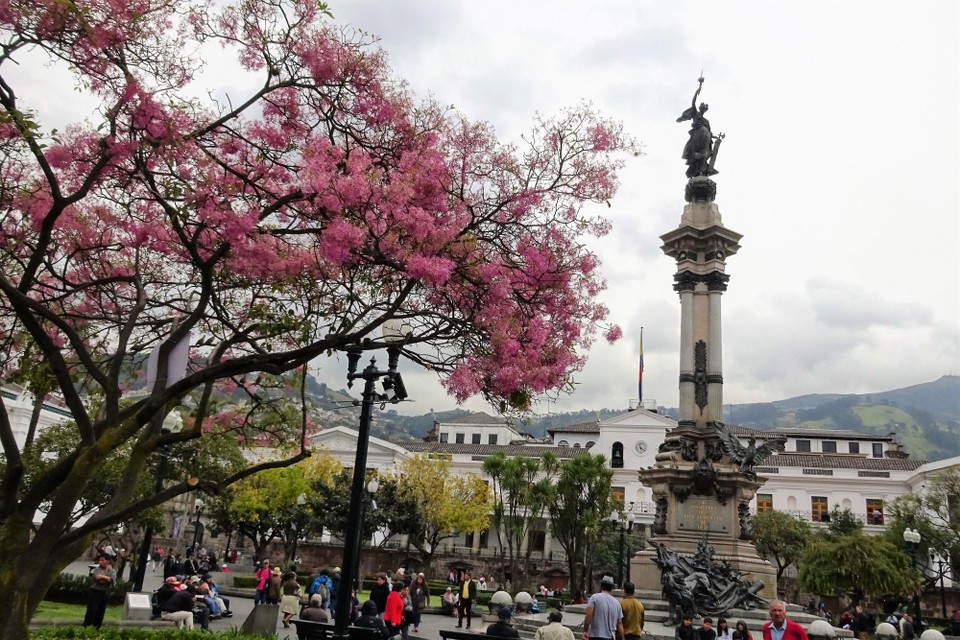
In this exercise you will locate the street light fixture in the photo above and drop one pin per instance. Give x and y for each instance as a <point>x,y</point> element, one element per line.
<point>301,500</point>
<point>912,539</point>
<point>392,383</point>
<point>624,521</point>
<point>172,423</point>
<point>941,569</point>
<point>197,525</point>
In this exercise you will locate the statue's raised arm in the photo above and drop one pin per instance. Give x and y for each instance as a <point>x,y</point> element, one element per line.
<point>699,147</point>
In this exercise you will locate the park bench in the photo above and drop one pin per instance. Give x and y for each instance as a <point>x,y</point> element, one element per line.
<point>310,630</point>
<point>457,634</point>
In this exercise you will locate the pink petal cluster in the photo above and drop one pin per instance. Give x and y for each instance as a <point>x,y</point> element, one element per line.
<point>296,221</point>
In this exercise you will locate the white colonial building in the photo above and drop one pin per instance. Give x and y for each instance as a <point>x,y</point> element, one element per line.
<point>818,470</point>
<point>20,406</point>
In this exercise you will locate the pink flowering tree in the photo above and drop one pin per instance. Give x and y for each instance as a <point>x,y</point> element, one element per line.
<point>256,233</point>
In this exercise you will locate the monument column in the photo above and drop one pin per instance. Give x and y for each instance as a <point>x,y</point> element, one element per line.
<point>700,245</point>
<point>703,478</point>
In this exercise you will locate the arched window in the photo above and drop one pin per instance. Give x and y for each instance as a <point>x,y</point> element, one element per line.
<point>616,455</point>
<point>563,443</point>
<point>589,444</point>
<point>576,445</point>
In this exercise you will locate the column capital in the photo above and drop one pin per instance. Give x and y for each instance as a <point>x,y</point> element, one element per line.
<point>716,281</point>
<point>684,281</point>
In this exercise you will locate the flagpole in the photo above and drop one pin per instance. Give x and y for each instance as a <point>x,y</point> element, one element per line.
<point>640,372</point>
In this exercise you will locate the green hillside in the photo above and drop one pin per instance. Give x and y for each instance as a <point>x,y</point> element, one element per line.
<point>925,418</point>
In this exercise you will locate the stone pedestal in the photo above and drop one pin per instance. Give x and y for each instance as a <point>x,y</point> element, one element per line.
<point>137,606</point>
<point>703,479</point>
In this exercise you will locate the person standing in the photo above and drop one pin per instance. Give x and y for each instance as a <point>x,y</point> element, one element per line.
<point>263,578</point>
<point>634,615</point>
<point>420,599</point>
<point>102,579</point>
<point>393,613</point>
<point>290,598</point>
<point>779,627</point>
<point>861,624</point>
<point>334,590</point>
<point>603,618</point>
<point>468,593</point>
<point>275,586</point>
<point>907,631</point>
<point>553,630</point>
<point>379,593</point>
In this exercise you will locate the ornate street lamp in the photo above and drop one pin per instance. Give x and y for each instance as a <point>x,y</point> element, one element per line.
<point>392,382</point>
<point>624,521</point>
<point>172,423</point>
<point>942,567</point>
<point>197,526</point>
<point>912,539</point>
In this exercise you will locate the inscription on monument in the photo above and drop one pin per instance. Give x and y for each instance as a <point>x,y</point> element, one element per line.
<point>702,514</point>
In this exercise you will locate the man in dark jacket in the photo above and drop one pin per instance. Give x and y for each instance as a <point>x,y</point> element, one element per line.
<point>179,608</point>
<point>467,590</point>
<point>502,627</point>
<point>379,593</point>
<point>861,624</point>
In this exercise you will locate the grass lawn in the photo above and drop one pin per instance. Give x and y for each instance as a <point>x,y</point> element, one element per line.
<point>49,610</point>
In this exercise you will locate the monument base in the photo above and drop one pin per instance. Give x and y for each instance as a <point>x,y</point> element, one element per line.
<point>740,555</point>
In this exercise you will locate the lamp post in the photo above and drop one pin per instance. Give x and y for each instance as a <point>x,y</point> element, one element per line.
<point>941,569</point>
<point>301,500</point>
<point>624,521</point>
<point>172,423</point>
<point>912,539</point>
<point>352,538</point>
<point>372,487</point>
<point>197,526</point>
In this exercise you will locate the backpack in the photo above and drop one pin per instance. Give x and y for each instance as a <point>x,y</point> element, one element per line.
<point>321,586</point>
<point>324,589</point>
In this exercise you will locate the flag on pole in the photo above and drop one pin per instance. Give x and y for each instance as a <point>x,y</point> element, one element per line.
<point>640,372</point>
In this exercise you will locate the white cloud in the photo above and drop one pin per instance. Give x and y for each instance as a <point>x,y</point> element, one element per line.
<point>840,167</point>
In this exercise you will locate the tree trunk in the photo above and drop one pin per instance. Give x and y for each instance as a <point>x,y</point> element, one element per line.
<point>572,570</point>
<point>16,612</point>
<point>27,569</point>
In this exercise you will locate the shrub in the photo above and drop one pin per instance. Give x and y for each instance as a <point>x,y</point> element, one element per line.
<point>245,582</point>
<point>73,589</point>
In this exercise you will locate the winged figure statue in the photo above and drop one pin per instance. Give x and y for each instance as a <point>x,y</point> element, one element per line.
<point>747,457</point>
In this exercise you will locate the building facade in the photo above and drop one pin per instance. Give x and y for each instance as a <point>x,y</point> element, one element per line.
<point>818,470</point>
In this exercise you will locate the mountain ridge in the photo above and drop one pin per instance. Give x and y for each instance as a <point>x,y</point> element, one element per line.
<point>924,417</point>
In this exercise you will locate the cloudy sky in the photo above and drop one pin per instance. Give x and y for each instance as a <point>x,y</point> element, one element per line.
<point>840,168</point>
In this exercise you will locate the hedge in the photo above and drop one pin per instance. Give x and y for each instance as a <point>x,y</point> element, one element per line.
<point>73,589</point>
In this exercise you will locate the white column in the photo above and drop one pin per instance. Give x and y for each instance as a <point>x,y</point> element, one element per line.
<point>715,358</point>
<point>687,404</point>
